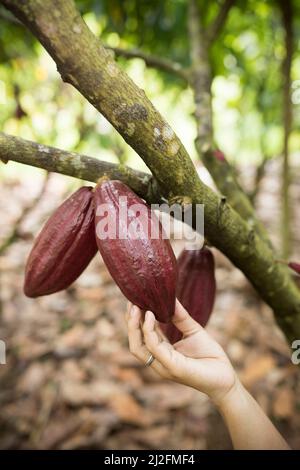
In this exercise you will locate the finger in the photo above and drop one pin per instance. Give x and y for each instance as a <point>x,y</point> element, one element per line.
<point>184,322</point>
<point>128,308</point>
<point>157,327</point>
<point>134,330</point>
<point>136,344</point>
<point>161,350</point>
<point>159,332</point>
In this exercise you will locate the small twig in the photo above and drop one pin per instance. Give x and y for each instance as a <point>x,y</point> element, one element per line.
<point>259,174</point>
<point>7,16</point>
<point>150,60</point>
<point>216,26</point>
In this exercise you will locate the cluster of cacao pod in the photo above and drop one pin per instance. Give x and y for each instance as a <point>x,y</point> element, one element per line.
<point>144,267</point>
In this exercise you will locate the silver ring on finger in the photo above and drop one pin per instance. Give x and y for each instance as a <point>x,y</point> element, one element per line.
<point>149,360</point>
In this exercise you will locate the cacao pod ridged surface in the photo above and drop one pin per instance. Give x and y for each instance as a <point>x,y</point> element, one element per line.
<point>143,267</point>
<point>64,247</point>
<point>196,288</point>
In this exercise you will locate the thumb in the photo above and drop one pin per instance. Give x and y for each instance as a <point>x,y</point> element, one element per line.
<point>184,322</point>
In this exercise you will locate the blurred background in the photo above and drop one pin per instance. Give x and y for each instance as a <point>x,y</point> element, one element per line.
<point>69,380</point>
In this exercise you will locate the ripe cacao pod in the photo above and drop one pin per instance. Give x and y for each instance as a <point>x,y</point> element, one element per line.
<point>143,267</point>
<point>64,247</point>
<point>196,288</point>
<point>294,266</point>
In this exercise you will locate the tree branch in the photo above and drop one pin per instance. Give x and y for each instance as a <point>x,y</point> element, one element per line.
<point>221,171</point>
<point>287,15</point>
<point>226,180</point>
<point>156,62</point>
<point>201,78</point>
<point>217,25</point>
<point>259,175</point>
<point>84,62</point>
<point>73,164</point>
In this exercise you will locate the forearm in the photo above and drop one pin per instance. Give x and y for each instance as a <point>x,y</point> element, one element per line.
<point>199,362</point>
<point>248,425</point>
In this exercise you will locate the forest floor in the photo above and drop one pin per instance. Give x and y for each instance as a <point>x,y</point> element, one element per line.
<point>70,381</point>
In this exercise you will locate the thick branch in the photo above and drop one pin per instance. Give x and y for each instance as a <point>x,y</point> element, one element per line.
<point>217,25</point>
<point>153,61</point>
<point>73,164</point>
<point>85,63</point>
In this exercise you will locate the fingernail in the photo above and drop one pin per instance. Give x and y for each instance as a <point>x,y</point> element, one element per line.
<point>134,311</point>
<point>149,316</point>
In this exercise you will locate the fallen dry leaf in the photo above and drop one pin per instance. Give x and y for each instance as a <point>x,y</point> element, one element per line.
<point>164,396</point>
<point>129,410</point>
<point>284,401</point>
<point>93,393</point>
<point>257,370</point>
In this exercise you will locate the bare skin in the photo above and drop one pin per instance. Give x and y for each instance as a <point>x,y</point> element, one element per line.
<point>198,361</point>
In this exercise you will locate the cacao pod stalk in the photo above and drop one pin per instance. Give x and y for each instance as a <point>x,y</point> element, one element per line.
<point>64,247</point>
<point>196,288</point>
<point>143,267</point>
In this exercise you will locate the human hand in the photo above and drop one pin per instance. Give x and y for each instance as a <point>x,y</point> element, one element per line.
<point>196,360</point>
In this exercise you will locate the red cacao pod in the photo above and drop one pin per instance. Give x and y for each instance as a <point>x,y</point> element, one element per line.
<point>294,266</point>
<point>196,288</point>
<point>64,247</point>
<point>143,267</point>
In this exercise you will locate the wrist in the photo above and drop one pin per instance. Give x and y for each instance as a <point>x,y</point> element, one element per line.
<point>231,397</point>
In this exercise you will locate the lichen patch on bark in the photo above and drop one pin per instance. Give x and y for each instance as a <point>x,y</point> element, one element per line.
<point>168,132</point>
<point>173,148</point>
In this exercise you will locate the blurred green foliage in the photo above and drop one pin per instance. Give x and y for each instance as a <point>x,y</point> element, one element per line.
<point>247,88</point>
